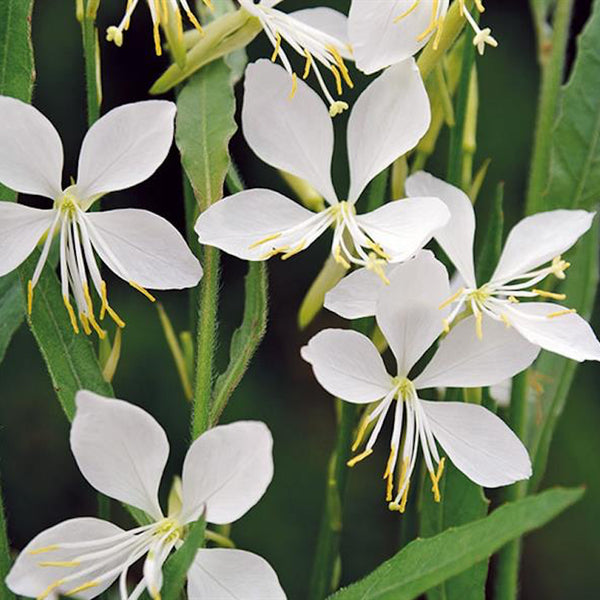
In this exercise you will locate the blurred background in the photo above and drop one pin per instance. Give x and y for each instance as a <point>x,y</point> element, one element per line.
<point>41,482</point>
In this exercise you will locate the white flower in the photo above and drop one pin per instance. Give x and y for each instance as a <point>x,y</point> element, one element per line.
<point>531,253</point>
<point>347,364</point>
<point>122,451</point>
<point>159,11</point>
<point>318,35</point>
<point>386,32</point>
<point>297,136</point>
<point>120,150</point>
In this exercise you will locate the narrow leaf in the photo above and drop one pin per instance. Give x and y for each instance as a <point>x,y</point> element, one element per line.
<point>425,563</point>
<point>575,158</point>
<point>5,561</point>
<point>176,568</point>
<point>12,309</point>
<point>491,249</point>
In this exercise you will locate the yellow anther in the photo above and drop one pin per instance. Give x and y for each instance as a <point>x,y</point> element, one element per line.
<point>50,589</point>
<point>513,300</point>
<point>405,14</point>
<point>92,319</point>
<point>295,250</point>
<point>85,324</point>
<point>308,64</point>
<point>360,457</point>
<point>479,325</point>
<point>294,86</point>
<point>446,325</point>
<point>342,66</point>
<point>83,587</point>
<point>452,299</point>
<point>29,297</point>
<point>505,320</point>
<point>435,480</point>
<point>389,491</point>
<point>337,255</point>
<point>378,250</point>
<point>479,5</point>
<point>114,34</point>
<point>438,34</point>
<point>44,550</point>
<point>165,12</point>
<point>337,108</point>
<point>193,20</point>
<point>433,23</point>
<point>402,506</point>
<point>561,313</point>
<point>277,47</point>
<point>338,79</point>
<point>59,563</point>
<point>551,295</point>
<point>376,265</point>
<point>155,594</point>
<point>71,312</point>
<point>140,289</point>
<point>156,34</point>
<point>390,461</point>
<point>274,252</point>
<point>269,238</point>
<point>106,308</point>
<point>361,433</point>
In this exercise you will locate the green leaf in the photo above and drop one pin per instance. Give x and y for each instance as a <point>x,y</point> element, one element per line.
<point>246,338</point>
<point>575,157</point>
<point>70,357</point>
<point>12,309</point>
<point>425,563</point>
<point>5,561</point>
<point>492,244</point>
<point>554,372</point>
<point>176,568</point>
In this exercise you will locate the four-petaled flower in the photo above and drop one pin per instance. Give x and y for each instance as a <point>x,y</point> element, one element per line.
<point>160,12</point>
<point>120,150</point>
<point>387,32</point>
<point>122,452</point>
<point>318,35</point>
<point>297,136</point>
<point>348,365</point>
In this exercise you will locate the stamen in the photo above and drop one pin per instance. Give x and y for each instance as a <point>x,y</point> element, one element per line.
<point>438,34</point>
<point>59,563</point>
<point>85,323</point>
<point>479,325</point>
<point>390,462</point>
<point>407,12</point>
<point>435,479</point>
<point>551,295</point>
<point>433,23</point>
<point>361,432</point>
<point>337,256</point>
<point>295,250</point>
<point>50,589</point>
<point>274,252</point>
<point>107,308</point>
<point>308,64</point>
<point>379,250</point>
<point>140,289</point>
<point>513,300</point>
<point>29,297</point>
<point>505,320</point>
<point>361,456</point>
<point>338,79</point>
<point>446,325</point>
<point>294,86</point>
<point>376,265</point>
<point>479,5</point>
<point>452,299</point>
<point>92,319</point>
<point>44,549</point>
<point>71,312</point>
<point>560,313</point>
<point>277,47</point>
<point>82,588</point>
<point>192,18</point>
<point>264,241</point>
<point>340,63</point>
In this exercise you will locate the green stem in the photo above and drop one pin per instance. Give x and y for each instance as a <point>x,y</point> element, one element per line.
<point>509,558</point>
<point>552,62</point>
<point>5,562</point>
<point>91,54</point>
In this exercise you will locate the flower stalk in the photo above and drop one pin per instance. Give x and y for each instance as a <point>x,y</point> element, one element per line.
<point>91,53</point>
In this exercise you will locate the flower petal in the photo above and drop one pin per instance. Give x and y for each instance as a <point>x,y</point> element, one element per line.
<point>347,365</point>
<point>120,449</point>
<point>142,247</point>
<point>536,240</point>
<point>31,153</point>
<point>463,360</point>
<point>21,228</point>
<point>125,147</point>
<point>379,39</point>
<point>224,574</point>
<point>237,223</point>
<point>385,124</point>
<point>408,310</point>
<point>458,235</point>
<point>329,21</point>
<point>226,471</point>
<point>478,442</point>
<point>403,227</point>
<point>28,578</point>
<point>568,334</point>
<point>293,134</point>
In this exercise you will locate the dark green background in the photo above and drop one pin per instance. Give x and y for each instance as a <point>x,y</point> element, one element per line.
<point>41,482</point>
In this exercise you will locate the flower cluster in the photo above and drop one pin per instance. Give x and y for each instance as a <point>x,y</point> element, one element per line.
<point>442,333</point>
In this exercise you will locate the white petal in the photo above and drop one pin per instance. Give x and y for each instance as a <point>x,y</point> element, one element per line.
<point>478,442</point>
<point>120,449</point>
<point>31,153</point>
<point>28,578</point>
<point>378,40</point>
<point>457,237</point>
<point>223,574</point>
<point>347,365</point>
<point>125,147</point>
<point>408,310</point>
<point>538,239</point>
<point>147,248</point>
<point>501,392</point>
<point>329,21</point>
<point>403,227</point>
<point>226,471</point>
<point>569,334</point>
<point>21,228</point>
<point>293,134</point>
<point>236,223</point>
<point>388,120</point>
<point>463,360</point>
